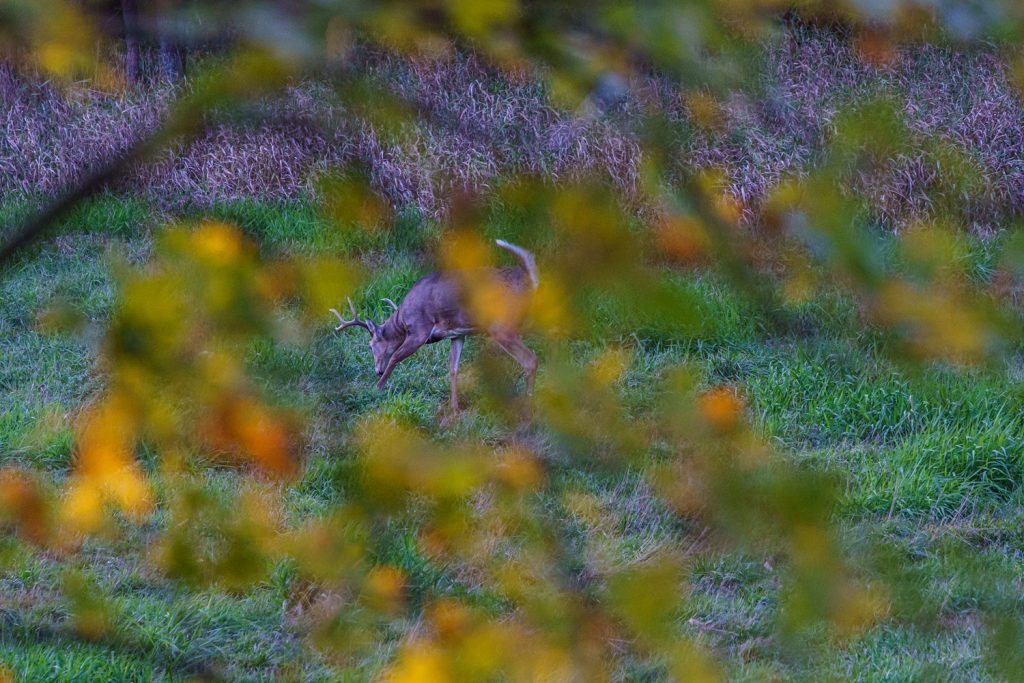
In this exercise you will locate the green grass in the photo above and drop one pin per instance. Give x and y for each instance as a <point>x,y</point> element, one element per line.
<point>299,227</point>
<point>930,460</point>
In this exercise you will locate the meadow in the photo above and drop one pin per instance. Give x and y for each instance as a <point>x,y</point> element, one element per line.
<point>924,459</point>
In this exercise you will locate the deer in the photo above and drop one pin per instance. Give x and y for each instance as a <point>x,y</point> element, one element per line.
<point>455,305</point>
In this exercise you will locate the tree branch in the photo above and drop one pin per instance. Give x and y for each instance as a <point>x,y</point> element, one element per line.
<point>99,178</point>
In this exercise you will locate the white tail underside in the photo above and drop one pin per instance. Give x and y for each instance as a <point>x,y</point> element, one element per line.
<point>525,258</point>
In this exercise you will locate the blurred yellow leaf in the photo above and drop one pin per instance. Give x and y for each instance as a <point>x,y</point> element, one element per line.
<point>683,239</point>
<point>23,503</point>
<point>65,42</point>
<point>106,470</point>
<point>647,596</point>
<point>480,17</point>
<point>722,408</point>
<point>419,664</point>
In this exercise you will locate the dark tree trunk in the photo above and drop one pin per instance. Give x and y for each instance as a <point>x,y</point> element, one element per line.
<point>172,58</point>
<point>130,16</point>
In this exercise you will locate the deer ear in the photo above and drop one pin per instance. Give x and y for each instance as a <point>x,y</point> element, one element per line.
<point>373,327</point>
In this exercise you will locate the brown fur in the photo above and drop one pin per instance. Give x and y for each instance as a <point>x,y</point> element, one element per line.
<point>441,306</point>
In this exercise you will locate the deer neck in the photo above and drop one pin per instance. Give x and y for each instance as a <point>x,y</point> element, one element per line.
<point>393,327</point>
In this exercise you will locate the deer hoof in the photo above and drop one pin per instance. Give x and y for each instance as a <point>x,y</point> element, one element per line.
<point>449,412</point>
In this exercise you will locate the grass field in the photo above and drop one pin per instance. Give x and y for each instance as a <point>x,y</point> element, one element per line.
<point>927,460</point>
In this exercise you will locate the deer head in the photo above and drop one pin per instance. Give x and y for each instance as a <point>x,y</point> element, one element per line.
<point>382,345</point>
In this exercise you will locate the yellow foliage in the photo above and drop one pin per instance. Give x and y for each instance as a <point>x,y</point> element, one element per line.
<point>692,664</point>
<point>217,244</point>
<point>24,504</point>
<point>384,590</point>
<point>608,368</point>
<point>683,239</point>
<point>518,469</point>
<point>419,664</point>
<point>550,307</point>
<point>647,596</point>
<point>859,608</point>
<point>722,408</point>
<point>329,549</point>
<point>106,472</point>
<point>938,320</point>
<point>481,17</point>
<point>241,424</point>
<point>704,109</point>
<point>91,613</point>
<point>65,41</point>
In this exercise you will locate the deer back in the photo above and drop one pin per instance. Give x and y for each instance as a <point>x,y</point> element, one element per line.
<point>455,304</point>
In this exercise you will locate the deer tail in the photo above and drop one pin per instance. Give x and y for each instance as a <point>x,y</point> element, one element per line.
<point>525,258</point>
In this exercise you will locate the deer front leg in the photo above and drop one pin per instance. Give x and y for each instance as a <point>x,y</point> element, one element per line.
<point>453,370</point>
<point>407,348</point>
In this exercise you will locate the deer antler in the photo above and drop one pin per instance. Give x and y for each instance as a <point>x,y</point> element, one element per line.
<point>368,324</point>
<point>393,304</point>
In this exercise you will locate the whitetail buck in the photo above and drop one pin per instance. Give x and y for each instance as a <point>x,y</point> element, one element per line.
<point>490,301</point>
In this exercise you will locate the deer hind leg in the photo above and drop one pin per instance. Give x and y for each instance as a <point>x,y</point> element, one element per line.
<point>513,345</point>
<point>453,370</point>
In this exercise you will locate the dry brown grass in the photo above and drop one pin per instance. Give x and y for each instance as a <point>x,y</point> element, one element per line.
<point>478,126</point>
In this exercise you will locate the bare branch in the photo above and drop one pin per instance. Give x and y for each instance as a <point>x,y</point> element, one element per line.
<point>34,228</point>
